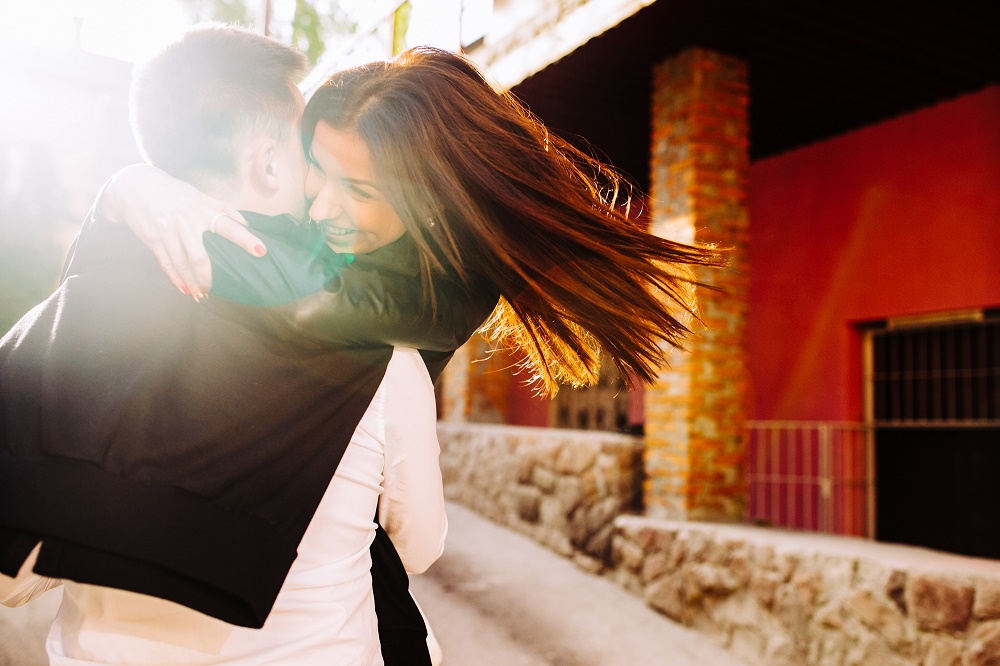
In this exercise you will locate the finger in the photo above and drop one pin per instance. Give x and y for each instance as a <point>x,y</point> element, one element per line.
<point>177,255</point>
<point>235,215</point>
<point>233,231</point>
<point>199,264</point>
<point>167,266</point>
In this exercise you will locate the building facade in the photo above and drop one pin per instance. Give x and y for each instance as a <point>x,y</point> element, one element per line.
<point>858,211</point>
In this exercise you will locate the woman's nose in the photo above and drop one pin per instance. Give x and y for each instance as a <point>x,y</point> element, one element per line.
<point>327,203</point>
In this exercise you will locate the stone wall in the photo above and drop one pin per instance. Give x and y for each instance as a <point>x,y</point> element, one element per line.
<point>772,597</point>
<point>779,598</point>
<point>561,487</point>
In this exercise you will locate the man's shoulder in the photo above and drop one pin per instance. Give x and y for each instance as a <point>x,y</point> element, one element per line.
<point>284,228</point>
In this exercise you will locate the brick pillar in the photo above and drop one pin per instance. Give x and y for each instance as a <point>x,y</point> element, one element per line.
<point>475,384</point>
<point>454,386</point>
<point>695,415</point>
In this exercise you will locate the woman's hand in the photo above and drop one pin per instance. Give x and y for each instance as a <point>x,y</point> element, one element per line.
<point>169,216</point>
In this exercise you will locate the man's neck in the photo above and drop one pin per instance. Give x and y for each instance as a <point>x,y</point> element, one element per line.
<point>242,199</point>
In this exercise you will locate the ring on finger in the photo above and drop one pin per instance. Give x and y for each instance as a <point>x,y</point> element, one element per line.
<point>215,220</point>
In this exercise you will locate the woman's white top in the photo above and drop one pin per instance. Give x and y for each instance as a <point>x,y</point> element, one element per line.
<point>324,613</point>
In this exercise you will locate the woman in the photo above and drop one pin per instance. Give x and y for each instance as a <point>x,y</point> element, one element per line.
<point>422,152</point>
<point>486,193</point>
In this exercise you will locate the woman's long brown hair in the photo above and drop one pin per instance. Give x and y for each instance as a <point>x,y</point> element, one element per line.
<point>486,191</point>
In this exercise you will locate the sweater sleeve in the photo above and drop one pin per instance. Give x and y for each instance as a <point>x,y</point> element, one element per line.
<point>335,299</point>
<point>411,508</point>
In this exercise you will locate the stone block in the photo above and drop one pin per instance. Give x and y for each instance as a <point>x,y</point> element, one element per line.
<point>598,545</point>
<point>655,566</point>
<point>602,513</point>
<point>558,541</point>
<point>987,603</point>
<point>793,613</point>
<point>836,576</point>
<point>551,513</point>
<point>698,546</point>
<point>831,616</point>
<point>662,541</point>
<point>527,501</point>
<point>895,589</point>
<point>764,586</point>
<point>678,551</point>
<point>547,451</point>
<point>626,554</point>
<point>575,457</point>
<point>747,644</point>
<point>525,470</point>
<point>667,596</point>
<point>830,651</point>
<point>806,584</point>
<point>785,565</point>
<point>589,564</point>
<point>762,557</point>
<point>712,579</point>
<point>588,485</point>
<point>874,652</point>
<point>782,651</point>
<point>941,651</point>
<point>984,646</point>
<point>543,478</point>
<point>737,610</point>
<point>578,532</point>
<point>569,492</point>
<point>939,603</point>
<point>882,616</point>
<point>740,564</point>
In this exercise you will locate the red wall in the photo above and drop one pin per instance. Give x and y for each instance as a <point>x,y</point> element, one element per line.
<point>895,219</point>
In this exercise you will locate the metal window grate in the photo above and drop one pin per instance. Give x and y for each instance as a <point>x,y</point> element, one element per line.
<point>941,375</point>
<point>600,407</point>
<point>809,475</point>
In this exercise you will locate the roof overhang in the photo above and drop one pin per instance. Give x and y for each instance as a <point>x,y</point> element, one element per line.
<point>817,69</point>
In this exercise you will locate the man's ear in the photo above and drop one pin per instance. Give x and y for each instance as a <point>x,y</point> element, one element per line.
<point>264,166</point>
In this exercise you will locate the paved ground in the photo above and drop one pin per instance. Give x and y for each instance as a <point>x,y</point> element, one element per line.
<point>495,598</point>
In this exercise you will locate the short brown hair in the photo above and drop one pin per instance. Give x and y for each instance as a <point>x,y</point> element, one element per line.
<point>196,99</point>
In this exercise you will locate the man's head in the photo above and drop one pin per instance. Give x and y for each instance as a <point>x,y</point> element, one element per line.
<point>219,108</point>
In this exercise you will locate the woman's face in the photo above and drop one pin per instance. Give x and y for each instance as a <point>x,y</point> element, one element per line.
<point>346,199</point>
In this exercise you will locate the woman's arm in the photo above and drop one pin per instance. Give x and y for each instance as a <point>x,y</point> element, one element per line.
<point>376,300</point>
<point>170,217</point>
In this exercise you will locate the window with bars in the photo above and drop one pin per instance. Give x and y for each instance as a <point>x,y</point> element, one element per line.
<point>946,374</point>
<point>935,403</point>
<point>601,407</point>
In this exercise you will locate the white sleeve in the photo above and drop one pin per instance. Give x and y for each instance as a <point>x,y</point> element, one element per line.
<point>27,585</point>
<point>412,507</point>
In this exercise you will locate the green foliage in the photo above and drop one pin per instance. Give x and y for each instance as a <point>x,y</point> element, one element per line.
<point>226,11</point>
<point>400,23</point>
<point>310,26</point>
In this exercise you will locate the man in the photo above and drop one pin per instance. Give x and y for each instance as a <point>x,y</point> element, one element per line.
<point>150,444</point>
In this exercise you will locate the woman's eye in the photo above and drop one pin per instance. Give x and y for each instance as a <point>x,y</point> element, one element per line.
<point>359,193</point>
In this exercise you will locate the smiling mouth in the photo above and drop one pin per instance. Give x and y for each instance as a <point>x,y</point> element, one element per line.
<point>338,232</point>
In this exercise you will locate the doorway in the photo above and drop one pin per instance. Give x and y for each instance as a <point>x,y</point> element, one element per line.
<point>934,404</point>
